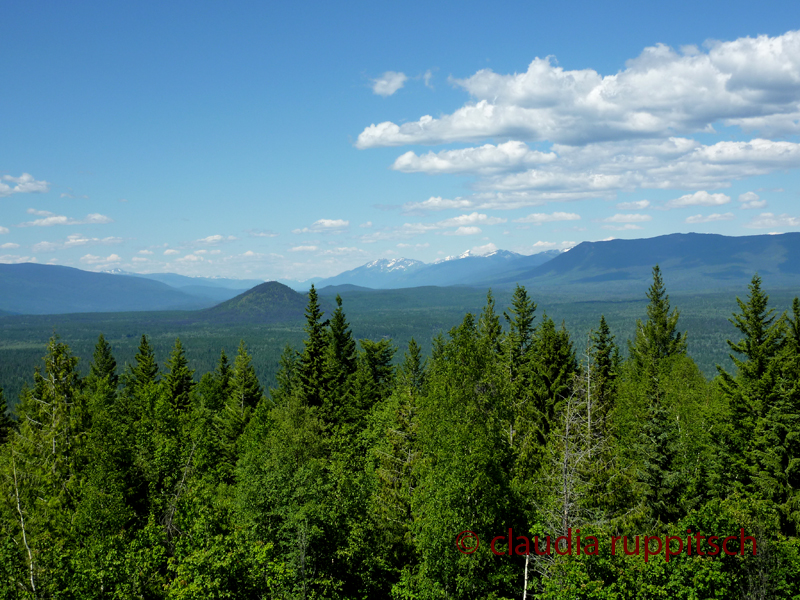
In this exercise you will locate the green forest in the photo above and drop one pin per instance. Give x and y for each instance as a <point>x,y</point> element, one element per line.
<point>357,474</point>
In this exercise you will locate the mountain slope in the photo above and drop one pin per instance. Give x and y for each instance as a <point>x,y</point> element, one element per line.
<point>269,302</point>
<point>690,261</point>
<point>30,288</point>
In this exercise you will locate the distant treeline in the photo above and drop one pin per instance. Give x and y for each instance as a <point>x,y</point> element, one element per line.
<point>355,475</point>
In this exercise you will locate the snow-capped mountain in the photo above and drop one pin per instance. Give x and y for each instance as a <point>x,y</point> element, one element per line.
<point>463,269</point>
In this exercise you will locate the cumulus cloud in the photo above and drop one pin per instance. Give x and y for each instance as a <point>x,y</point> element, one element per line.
<point>750,82</point>
<point>189,258</point>
<point>171,252</point>
<point>213,240</point>
<point>91,259</point>
<point>145,251</point>
<point>769,220</point>
<point>303,249</point>
<point>710,218</point>
<point>539,218</point>
<point>698,199</point>
<point>636,205</point>
<point>388,83</point>
<point>13,259</point>
<point>751,200</point>
<point>9,246</point>
<point>3,229</point>
<point>325,226</point>
<point>471,219</point>
<point>484,159</point>
<point>464,231</point>
<point>261,233</point>
<point>49,219</point>
<point>483,250</point>
<point>615,133</point>
<point>24,184</point>
<point>437,203</point>
<point>627,218</point>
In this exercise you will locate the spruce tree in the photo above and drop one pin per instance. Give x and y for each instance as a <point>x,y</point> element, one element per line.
<point>412,370</point>
<point>605,364</point>
<point>311,370</point>
<point>146,369</point>
<point>179,378</point>
<point>103,364</point>
<point>520,328</point>
<point>657,338</point>
<point>489,326</point>
<point>339,363</point>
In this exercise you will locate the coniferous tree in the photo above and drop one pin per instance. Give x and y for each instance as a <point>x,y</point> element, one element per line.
<point>179,379</point>
<point>103,364</point>
<point>520,328</point>
<point>311,368</point>
<point>339,364</point>
<point>489,325</point>
<point>146,369</point>
<point>658,337</point>
<point>604,366</point>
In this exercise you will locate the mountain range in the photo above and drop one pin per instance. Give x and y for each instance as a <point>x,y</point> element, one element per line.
<point>690,262</point>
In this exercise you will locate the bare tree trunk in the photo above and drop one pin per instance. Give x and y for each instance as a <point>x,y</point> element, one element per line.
<point>22,525</point>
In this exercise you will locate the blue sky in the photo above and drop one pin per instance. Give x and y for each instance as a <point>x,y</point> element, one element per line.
<point>291,140</point>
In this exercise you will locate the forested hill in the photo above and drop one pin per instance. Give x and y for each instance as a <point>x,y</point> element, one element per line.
<point>29,288</point>
<point>694,262</point>
<point>475,474</point>
<point>269,302</point>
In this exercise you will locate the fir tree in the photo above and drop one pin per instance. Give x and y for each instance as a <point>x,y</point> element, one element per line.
<point>179,378</point>
<point>520,328</point>
<point>489,326</point>
<point>103,364</point>
<point>339,362</point>
<point>658,338</point>
<point>146,369</point>
<point>412,370</point>
<point>311,370</point>
<point>5,420</point>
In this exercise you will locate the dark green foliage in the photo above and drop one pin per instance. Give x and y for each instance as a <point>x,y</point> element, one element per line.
<point>5,420</point>
<point>353,477</point>
<point>179,378</point>
<point>658,337</point>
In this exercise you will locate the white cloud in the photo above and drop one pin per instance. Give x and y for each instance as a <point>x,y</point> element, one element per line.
<point>626,227</point>
<point>91,259</point>
<point>213,240</point>
<point>539,218</point>
<point>345,251</point>
<point>366,225</point>
<point>24,184</point>
<point>325,226</point>
<point>636,205</point>
<point>171,252</point>
<point>402,245</point>
<point>49,219</point>
<point>3,229</point>
<point>465,231</point>
<point>139,259</point>
<point>261,233</point>
<point>77,239</point>
<point>710,218</point>
<point>471,219</point>
<point>303,249</point>
<point>46,247</point>
<point>483,250</point>
<point>484,159</point>
<point>751,200</point>
<point>9,246</point>
<point>388,83</point>
<point>437,203</point>
<point>215,252</point>
<point>189,258</point>
<point>145,251</point>
<point>427,78</point>
<point>769,220</point>
<point>698,199</point>
<point>629,218</point>
<point>750,82</point>
<point>12,259</point>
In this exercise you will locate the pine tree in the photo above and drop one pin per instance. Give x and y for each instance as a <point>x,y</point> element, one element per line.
<point>657,339</point>
<point>311,370</point>
<point>179,378</point>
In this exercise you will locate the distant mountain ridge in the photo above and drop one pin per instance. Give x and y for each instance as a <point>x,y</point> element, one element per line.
<point>464,269</point>
<point>270,302</point>
<point>690,261</point>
